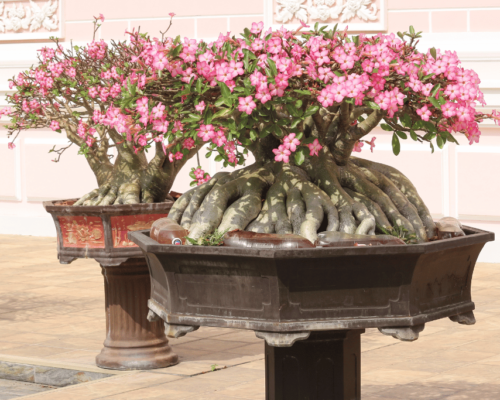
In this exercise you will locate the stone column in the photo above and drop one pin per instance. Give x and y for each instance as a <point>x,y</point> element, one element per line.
<point>132,342</point>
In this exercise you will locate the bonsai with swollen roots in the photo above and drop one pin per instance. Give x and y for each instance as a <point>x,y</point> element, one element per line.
<point>301,106</point>
<point>79,92</point>
<point>300,101</point>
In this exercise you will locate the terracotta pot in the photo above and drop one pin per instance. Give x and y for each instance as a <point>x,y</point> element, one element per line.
<point>100,232</point>
<point>321,298</point>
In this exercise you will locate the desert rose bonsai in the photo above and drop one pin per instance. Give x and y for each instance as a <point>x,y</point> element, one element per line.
<point>300,101</point>
<point>76,91</point>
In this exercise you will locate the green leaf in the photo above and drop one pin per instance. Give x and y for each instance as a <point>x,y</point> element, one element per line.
<point>311,110</point>
<point>413,135</point>
<point>433,54</point>
<point>396,146</point>
<point>295,122</point>
<point>198,85</point>
<point>272,66</point>
<point>386,127</point>
<point>222,113</point>
<point>299,157</point>
<point>175,51</point>
<point>434,102</point>
<point>374,105</point>
<point>429,126</point>
<point>439,141</point>
<point>427,77</point>
<point>432,147</point>
<point>412,30</point>
<point>304,92</point>
<point>253,134</point>
<point>224,90</point>
<point>449,137</point>
<point>338,73</point>
<point>405,120</point>
<point>293,110</point>
<point>266,131</point>
<point>402,135</point>
<point>218,157</point>
<point>435,90</point>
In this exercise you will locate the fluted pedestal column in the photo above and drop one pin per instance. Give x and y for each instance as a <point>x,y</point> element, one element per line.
<point>132,342</point>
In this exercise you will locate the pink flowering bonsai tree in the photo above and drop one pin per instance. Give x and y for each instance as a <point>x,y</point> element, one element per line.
<point>300,101</point>
<point>78,92</point>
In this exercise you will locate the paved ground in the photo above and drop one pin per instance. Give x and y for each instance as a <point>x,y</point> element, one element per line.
<point>55,314</point>
<point>14,389</point>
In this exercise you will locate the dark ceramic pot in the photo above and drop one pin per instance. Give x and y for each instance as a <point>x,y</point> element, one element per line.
<point>100,232</point>
<point>321,298</point>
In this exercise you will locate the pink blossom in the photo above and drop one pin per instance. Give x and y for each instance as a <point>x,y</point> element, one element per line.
<point>372,144</point>
<point>291,142</point>
<point>188,143</point>
<point>448,109</point>
<point>142,105</point>
<point>101,17</point>
<point>357,146</point>
<point>219,138</point>
<point>206,132</point>
<point>54,125</point>
<point>424,113</point>
<point>142,140</point>
<point>282,154</point>
<point>314,147</point>
<point>257,27</point>
<point>171,14</point>
<point>200,106</point>
<point>246,104</point>
<point>11,146</point>
<point>178,155</point>
<point>157,111</point>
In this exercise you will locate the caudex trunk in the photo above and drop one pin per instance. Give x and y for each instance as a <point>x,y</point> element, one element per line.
<point>359,196</point>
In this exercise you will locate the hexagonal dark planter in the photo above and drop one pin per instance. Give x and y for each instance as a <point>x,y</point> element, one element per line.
<point>100,232</point>
<point>323,298</point>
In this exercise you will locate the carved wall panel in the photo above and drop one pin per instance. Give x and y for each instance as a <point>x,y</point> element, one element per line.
<point>33,20</point>
<point>359,15</point>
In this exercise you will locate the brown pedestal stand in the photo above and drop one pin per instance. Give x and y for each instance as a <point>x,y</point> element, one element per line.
<point>325,366</point>
<point>132,342</point>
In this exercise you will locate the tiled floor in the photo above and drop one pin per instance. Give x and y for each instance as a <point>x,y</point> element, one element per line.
<point>55,313</point>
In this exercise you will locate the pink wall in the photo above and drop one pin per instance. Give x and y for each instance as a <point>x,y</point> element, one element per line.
<point>458,180</point>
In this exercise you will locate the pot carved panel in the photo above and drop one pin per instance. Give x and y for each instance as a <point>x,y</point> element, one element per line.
<point>81,231</point>
<point>121,225</point>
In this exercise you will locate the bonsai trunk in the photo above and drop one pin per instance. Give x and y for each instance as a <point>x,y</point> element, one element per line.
<point>131,179</point>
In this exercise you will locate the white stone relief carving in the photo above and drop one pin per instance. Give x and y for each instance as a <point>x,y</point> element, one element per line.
<point>32,17</point>
<point>289,9</point>
<point>323,10</point>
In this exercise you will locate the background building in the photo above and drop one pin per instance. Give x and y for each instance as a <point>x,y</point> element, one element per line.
<point>459,181</point>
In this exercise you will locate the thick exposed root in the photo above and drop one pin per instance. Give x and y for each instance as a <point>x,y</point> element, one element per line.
<point>280,198</point>
<point>406,187</point>
<point>127,193</point>
<point>304,212</point>
<point>232,205</point>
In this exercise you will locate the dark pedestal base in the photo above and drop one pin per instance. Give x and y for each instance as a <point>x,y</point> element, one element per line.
<point>132,342</point>
<point>326,366</point>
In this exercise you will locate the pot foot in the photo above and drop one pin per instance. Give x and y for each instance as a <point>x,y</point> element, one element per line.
<point>277,339</point>
<point>176,331</point>
<point>403,333</point>
<point>465,318</point>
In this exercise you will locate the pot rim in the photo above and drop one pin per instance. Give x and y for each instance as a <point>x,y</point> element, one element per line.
<point>474,236</point>
<point>51,207</point>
